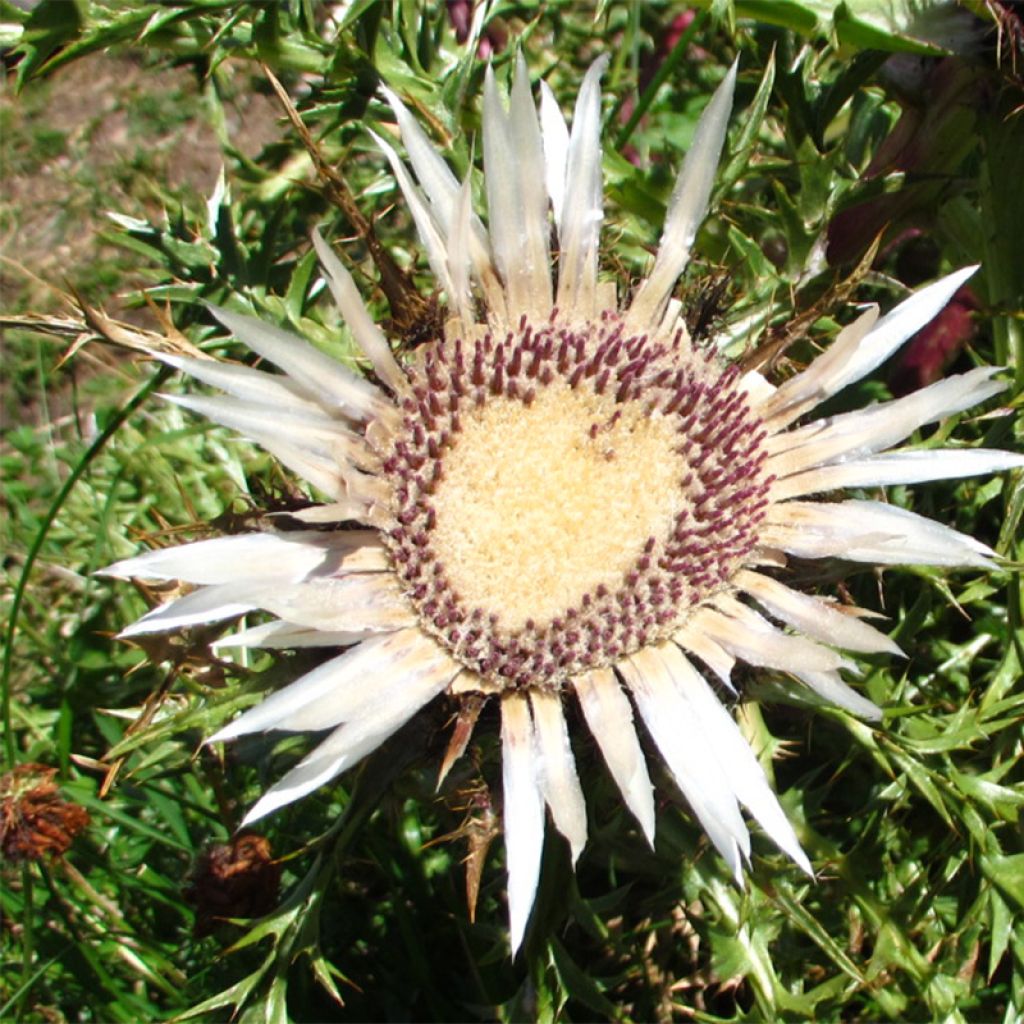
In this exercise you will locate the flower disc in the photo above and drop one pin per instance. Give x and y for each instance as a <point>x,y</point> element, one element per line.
<point>566,496</point>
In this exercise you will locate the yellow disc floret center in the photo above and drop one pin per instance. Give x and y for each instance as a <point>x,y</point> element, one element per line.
<point>540,504</point>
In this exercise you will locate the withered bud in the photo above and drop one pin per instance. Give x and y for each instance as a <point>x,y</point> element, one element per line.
<point>235,879</point>
<point>34,820</point>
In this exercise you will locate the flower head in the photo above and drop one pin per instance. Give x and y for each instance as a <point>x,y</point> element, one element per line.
<point>34,820</point>
<point>561,498</point>
<point>239,878</point>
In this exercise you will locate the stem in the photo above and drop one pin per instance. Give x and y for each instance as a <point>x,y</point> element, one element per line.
<point>666,68</point>
<point>91,452</point>
<point>10,749</point>
<point>28,943</point>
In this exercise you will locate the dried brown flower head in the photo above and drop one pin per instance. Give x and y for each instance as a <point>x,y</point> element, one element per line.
<point>34,820</point>
<point>235,879</point>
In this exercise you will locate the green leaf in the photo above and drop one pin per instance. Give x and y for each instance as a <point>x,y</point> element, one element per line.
<point>51,25</point>
<point>750,253</point>
<point>234,995</point>
<point>792,14</point>
<point>814,930</point>
<point>1001,922</point>
<point>753,119</point>
<point>581,986</point>
<point>1007,874</point>
<point>298,287</point>
<point>854,28</point>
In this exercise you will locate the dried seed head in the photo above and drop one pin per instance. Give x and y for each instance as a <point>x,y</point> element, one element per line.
<point>239,878</point>
<point>34,820</point>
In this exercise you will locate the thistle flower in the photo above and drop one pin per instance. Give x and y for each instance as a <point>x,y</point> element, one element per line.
<point>561,499</point>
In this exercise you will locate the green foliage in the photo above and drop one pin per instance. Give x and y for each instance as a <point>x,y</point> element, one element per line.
<point>913,826</point>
